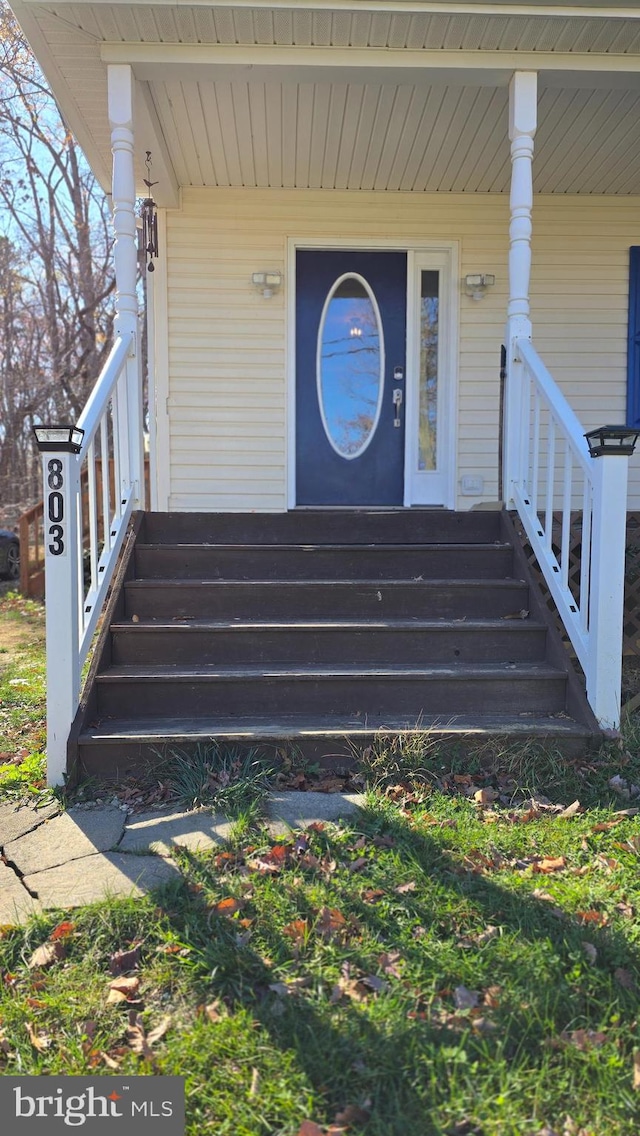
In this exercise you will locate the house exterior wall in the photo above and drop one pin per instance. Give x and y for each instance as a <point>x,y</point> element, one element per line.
<point>224,357</point>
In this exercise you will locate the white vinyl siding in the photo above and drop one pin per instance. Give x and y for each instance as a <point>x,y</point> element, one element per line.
<point>227,344</point>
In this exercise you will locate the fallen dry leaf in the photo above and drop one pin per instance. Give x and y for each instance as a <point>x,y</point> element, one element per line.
<point>357,865</point>
<point>214,1011</point>
<point>110,1062</point>
<point>636,1070</point>
<point>122,961</point>
<point>62,931</point>
<point>583,1039</point>
<point>570,811</point>
<point>491,997</point>
<point>465,999</point>
<point>331,923</point>
<point>591,952</point>
<point>272,861</point>
<point>227,907</point>
<point>123,989</point>
<point>383,842</point>
<point>625,909</point>
<point>352,1114</point>
<point>487,935</point>
<point>372,895</point>
<point>404,889</point>
<point>353,988</point>
<point>625,978</point>
<point>291,985</point>
<point>298,930</point>
<point>389,962</point>
<point>598,918</point>
<point>331,785</point>
<point>549,864</point>
<point>159,1031</point>
<point>38,1038</point>
<point>605,825</point>
<point>608,863</point>
<point>485,796</point>
<point>138,1039</point>
<point>308,1128</point>
<point>46,955</point>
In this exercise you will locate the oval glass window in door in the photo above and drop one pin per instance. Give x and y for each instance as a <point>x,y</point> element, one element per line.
<point>350,365</point>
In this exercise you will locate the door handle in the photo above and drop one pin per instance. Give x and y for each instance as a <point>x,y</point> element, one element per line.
<point>397,403</point>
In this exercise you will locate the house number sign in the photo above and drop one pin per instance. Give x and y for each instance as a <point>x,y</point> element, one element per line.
<point>56,510</point>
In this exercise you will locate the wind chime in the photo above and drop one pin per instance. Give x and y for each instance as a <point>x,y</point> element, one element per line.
<point>149,214</point>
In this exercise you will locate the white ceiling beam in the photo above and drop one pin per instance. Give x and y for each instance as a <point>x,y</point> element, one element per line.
<point>149,136</point>
<point>370,58</point>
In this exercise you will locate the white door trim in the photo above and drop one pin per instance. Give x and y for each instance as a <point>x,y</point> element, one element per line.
<point>449,252</point>
<point>437,487</point>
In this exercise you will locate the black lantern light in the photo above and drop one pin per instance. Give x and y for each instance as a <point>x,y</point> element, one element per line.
<point>606,441</point>
<point>148,212</point>
<point>64,439</point>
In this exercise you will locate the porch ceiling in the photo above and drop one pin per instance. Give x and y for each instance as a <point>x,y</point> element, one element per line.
<point>367,126</point>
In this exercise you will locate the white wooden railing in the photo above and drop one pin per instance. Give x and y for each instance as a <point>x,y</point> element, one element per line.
<point>552,470</point>
<point>85,520</point>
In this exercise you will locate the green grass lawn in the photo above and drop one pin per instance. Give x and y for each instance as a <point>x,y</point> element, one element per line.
<point>460,961</point>
<point>22,696</point>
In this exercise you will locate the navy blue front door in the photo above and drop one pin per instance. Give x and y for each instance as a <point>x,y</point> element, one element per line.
<point>350,358</point>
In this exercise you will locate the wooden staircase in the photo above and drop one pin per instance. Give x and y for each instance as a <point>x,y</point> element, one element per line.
<point>317,628</point>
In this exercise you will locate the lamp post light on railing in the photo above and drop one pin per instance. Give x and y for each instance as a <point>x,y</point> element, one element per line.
<point>60,446</point>
<point>608,547</point>
<point>612,441</point>
<point>59,439</point>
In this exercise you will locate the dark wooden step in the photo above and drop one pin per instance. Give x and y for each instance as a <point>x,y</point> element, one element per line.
<point>320,562</point>
<point>333,599</point>
<point>318,526</point>
<point>393,641</point>
<point>347,691</point>
<point>115,746</point>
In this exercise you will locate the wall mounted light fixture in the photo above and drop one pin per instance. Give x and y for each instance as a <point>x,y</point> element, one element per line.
<point>267,282</point>
<point>476,284</point>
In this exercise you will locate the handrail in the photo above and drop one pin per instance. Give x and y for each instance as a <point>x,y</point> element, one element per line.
<point>551,467</point>
<point>96,405</point>
<point>88,502</point>
<point>564,413</point>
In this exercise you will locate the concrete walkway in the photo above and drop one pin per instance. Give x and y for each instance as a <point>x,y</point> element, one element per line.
<point>53,859</point>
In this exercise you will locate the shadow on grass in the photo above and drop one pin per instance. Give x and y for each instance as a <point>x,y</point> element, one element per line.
<point>407,1055</point>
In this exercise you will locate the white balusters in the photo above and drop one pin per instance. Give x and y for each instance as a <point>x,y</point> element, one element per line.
<point>592,612</point>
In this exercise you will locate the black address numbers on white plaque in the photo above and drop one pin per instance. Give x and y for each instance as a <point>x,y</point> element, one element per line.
<point>55,507</point>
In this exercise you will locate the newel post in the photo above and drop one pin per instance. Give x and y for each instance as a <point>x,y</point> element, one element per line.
<point>606,594</point>
<point>129,391</point>
<point>523,97</point>
<point>60,446</point>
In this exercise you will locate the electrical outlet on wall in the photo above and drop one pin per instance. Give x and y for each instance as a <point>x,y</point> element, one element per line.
<point>471,485</point>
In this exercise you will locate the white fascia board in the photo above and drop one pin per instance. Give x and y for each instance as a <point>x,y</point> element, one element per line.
<point>141,55</point>
<point>588,8</point>
<point>65,100</point>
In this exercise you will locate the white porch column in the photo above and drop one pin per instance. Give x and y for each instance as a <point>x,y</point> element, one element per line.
<point>130,443</point>
<point>523,111</point>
